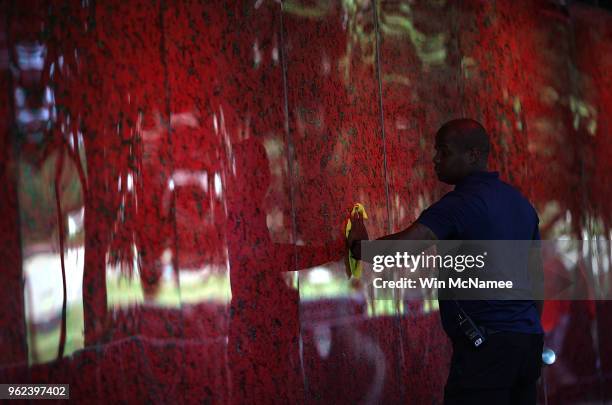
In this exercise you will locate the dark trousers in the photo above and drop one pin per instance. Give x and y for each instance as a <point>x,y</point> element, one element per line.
<point>504,370</point>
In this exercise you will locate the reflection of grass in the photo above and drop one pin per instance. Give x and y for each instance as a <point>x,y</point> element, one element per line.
<point>334,289</point>
<point>396,78</point>
<point>46,343</point>
<point>214,288</point>
<point>329,284</point>
<point>122,292</point>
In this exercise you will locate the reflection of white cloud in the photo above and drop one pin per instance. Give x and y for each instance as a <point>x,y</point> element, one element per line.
<point>49,97</point>
<point>274,220</point>
<point>323,340</point>
<point>19,97</point>
<point>275,54</point>
<point>43,275</point>
<point>319,275</point>
<point>187,119</point>
<point>218,188</point>
<point>75,221</point>
<point>130,182</point>
<point>256,54</point>
<point>199,178</point>
<point>28,116</point>
<point>32,56</point>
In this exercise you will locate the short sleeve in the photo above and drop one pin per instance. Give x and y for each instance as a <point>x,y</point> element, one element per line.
<point>536,231</point>
<point>442,216</point>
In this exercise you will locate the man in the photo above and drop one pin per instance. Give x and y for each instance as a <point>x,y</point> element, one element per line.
<point>505,369</point>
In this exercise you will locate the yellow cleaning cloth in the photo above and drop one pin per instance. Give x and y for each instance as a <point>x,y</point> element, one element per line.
<point>354,264</point>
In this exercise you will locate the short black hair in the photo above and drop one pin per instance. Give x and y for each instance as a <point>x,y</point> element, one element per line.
<point>467,133</point>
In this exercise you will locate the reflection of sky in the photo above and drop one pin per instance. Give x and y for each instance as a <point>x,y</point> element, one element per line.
<point>43,298</point>
<point>35,114</point>
<point>43,277</point>
<point>210,282</point>
<point>31,56</point>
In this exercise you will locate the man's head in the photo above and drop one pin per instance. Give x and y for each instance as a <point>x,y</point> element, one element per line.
<point>462,147</point>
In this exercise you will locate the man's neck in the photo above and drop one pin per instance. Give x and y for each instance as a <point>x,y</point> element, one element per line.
<point>474,171</point>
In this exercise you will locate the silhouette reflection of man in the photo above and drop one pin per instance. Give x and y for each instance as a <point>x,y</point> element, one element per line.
<point>264,312</point>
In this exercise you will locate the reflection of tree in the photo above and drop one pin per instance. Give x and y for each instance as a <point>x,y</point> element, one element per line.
<point>320,10</point>
<point>53,180</point>
<point>395,21</point>
<point>399,22</point>
<point>97,100</point>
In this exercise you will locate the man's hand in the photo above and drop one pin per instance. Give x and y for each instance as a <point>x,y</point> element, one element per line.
<point>357,233</point>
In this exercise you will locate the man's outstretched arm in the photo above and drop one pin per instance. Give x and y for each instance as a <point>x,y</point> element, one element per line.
<point>358,233</point>
<point>416,231</point>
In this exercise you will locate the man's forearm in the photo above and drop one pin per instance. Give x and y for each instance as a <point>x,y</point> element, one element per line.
<point>415,232</point>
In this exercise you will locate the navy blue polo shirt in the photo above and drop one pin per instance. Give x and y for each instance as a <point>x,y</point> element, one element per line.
<point>482,207</point>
